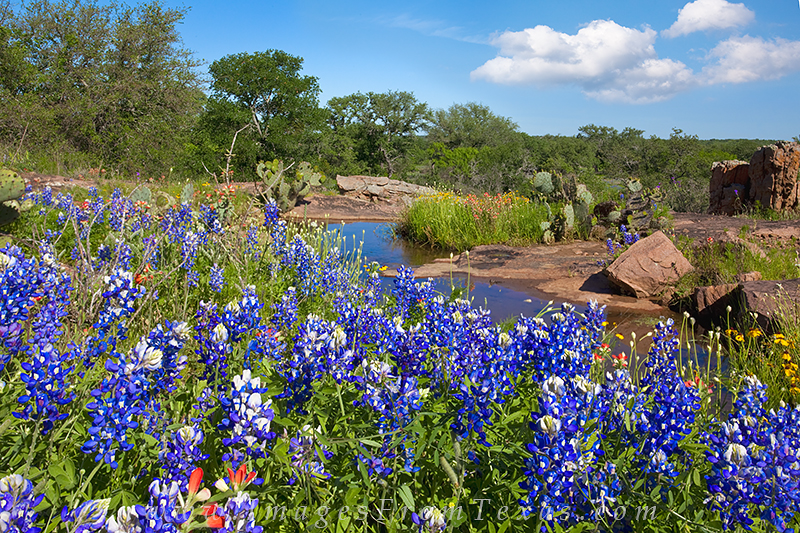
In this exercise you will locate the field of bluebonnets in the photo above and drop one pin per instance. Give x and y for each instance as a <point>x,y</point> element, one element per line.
<point>196,366</point>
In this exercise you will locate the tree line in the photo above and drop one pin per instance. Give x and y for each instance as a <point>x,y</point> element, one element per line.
<point>85,84</point>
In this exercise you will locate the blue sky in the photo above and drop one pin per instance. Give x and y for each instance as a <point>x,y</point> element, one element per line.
<point>713,68</point>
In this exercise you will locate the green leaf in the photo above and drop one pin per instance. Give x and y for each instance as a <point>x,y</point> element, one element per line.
<point>407,497</point>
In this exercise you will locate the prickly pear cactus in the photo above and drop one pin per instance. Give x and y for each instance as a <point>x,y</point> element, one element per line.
<point>569,216</point>
<point>11,185</point>
<point>543,183</point>
<point>7,214</point>
<point>634,185</point>
<point>583,216</point>
<point>583,195</point>
<point>284,190</point>
<point>142,194</point>
<point>558,226</point>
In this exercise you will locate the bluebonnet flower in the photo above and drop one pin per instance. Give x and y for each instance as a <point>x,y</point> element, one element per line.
<point>247,417</point>
<point>628,237</point>
<point>212,336</point>
<point>20,287</point>
<point>193,278</point>
<point>286,310</point>
<point>168,338</point>
<point>17,503</point>
<point>181,453</point>
<point>216,278</point>
<point>251,243</point>
<point>429,520</point>
<point>410,294</point>
<point>151,251</point>
<point>320,347</point>
<point>111,326</point>
<point>123,254</point>
<point>189,247</point>
<point>271,213</point>
<point>396,400</point>
<point>88,516</point>
<point>210,218</point>
<point>238,515</point>
<point>120,210</point>
<point>755,462</point>
<point>130,388</point>
<point>304,451</point>
<point>165,512</point>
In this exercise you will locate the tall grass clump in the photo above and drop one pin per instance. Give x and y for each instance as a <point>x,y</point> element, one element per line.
<point>202,367</point>
<point>447,220</point>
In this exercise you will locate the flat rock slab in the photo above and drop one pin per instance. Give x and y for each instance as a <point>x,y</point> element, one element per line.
<point>648,267</point>
<point>565,272</point>
<point>769,298</point>
<point>345,209</point>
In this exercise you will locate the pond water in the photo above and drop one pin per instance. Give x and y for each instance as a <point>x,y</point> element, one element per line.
<point>378,243</point>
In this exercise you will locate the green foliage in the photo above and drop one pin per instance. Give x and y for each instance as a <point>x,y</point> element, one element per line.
<point>470,125</point>
<point>263,99</point>
<point>108,81</point>
<point>377,128</point>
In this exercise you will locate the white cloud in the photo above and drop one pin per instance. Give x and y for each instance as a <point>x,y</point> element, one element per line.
<point>612,63</point>
<point>743,59</point>
<point>702,15</point>
<point>655,80</point>
<point>608,61</point>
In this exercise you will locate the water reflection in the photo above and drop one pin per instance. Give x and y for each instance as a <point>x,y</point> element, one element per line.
<point>378,243</point>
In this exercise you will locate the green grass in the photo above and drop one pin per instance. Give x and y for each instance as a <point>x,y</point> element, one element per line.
<point>457,223</point>
<point>718,263</point>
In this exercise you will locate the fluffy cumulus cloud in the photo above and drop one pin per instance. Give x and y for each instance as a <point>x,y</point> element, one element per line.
<point>608,61</point>
<point>703,15</point>
<point>613,63</point>
<point>743,59</point>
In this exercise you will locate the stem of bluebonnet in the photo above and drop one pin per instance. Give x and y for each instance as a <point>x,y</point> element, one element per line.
<point>85,482</point>
<point>341,403</point>
<point>33,448</point>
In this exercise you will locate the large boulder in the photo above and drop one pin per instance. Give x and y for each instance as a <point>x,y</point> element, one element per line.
<point>648,267</point>
<point>769,299</point>
<point>729,189</point>
<point>773,176</point>
<point>712,303</point>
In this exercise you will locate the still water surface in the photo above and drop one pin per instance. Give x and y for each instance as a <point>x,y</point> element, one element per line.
<point>378,243</point>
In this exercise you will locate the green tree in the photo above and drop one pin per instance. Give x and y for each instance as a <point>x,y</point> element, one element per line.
<point>109,81</point>
<point>379,128</point>
<point>471,125</point>
<point>620,154</point>
<point>265,94</point>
